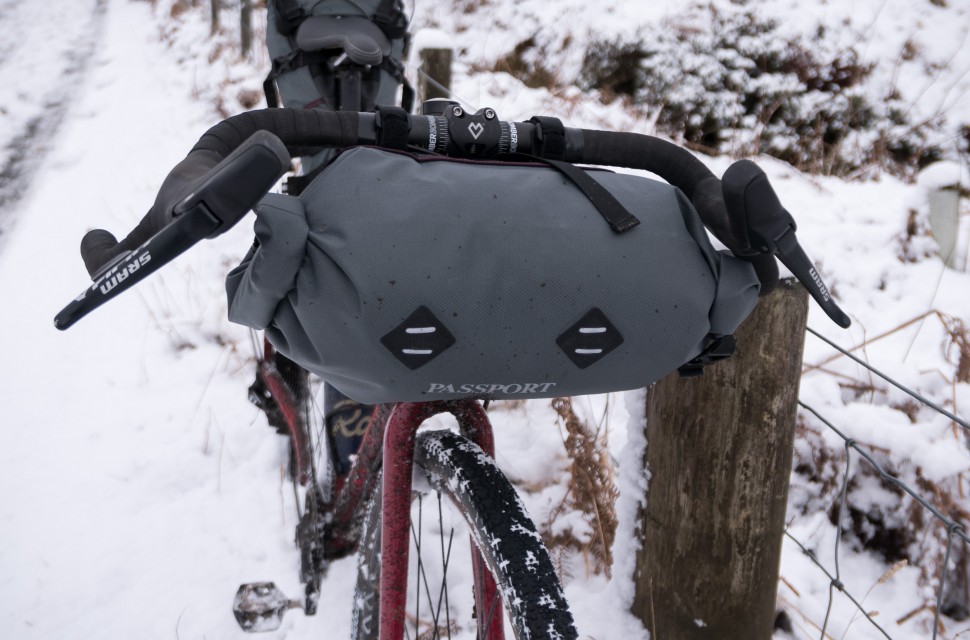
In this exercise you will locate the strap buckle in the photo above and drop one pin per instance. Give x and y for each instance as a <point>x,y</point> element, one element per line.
<point>718,348</point>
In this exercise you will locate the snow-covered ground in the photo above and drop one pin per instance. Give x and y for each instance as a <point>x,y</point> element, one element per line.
<point>43,59</point>
<point>139,485</point>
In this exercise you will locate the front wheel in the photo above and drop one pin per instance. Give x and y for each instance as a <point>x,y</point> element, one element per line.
<point>480,502</point>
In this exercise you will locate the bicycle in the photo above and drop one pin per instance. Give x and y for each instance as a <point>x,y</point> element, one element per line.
<point>331,527</point>
<point>235,164</point>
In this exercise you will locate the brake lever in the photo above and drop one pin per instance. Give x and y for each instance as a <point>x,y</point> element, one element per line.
<point>188,229</point>
<point>793,256</point>
<point>760,224</point>
<point>218,200</point>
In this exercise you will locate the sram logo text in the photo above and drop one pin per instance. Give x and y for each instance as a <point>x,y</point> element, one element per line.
<point>484,388</point>
<point>120,273</point>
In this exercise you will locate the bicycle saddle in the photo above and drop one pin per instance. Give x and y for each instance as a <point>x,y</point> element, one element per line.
<point>359,38</point>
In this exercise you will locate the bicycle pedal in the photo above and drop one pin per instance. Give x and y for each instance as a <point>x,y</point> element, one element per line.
<point>260,606</point>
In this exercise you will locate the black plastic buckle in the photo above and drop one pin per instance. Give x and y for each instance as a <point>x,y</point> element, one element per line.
<point>719,348</point>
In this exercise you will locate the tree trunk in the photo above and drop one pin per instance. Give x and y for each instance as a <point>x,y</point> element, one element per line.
<point>435,81</point>
<point>214,24</point>
<point>246,27</point>
<point>719,450</point>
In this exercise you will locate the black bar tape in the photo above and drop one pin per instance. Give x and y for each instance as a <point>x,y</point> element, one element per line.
<point>303,132</point>
<point>672,163</point>
<point>680,168</point>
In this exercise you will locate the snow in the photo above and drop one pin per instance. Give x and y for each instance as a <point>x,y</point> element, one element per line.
<point>140,486</point>
<point>940,175</point>
<point>430,39</point>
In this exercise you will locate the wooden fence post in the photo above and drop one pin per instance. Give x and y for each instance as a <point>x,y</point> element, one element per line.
<point>435,81</point>
<point>719,450</point>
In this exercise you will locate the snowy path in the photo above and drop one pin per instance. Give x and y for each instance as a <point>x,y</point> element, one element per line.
<point>123,512</point>
<point>44,55</point>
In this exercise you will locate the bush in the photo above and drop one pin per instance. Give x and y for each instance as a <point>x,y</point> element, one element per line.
<point>726,80</point>
<point>526,62</point>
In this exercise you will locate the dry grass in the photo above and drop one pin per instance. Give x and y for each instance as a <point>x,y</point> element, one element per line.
<point>592,491</point>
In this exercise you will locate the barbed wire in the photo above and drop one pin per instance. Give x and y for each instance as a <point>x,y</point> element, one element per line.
<point>954,529</point>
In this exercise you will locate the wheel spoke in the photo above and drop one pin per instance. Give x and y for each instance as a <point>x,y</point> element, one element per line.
<point>480,498</point>
<point>491,611</point>
<point>423,576</point>
<point>445,558</point>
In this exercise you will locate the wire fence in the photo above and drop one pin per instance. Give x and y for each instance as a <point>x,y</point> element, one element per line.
<point>954,529</point>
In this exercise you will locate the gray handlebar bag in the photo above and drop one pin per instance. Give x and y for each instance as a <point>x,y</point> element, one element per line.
<point>398,277</point>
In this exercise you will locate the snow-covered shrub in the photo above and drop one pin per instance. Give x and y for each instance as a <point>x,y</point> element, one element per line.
<point>724,79</point>
<point>876,509</point>
<point>879,518</point>
<point>527,62</point>
<point>965,139</point>
<point>225,77</point>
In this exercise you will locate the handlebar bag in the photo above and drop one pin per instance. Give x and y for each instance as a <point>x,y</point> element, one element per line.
<point>399,277</point>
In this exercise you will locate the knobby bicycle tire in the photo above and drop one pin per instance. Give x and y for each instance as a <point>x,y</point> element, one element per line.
<point>511,547</point>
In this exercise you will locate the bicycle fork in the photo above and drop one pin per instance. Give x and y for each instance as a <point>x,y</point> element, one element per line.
<point>398,463</point>
<point>388,443</point>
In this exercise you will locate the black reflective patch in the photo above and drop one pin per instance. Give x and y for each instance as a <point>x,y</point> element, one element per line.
<point>587,341</point>
<point>419,339</point>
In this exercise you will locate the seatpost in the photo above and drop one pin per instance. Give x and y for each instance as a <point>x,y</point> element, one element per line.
<point>349,79</point>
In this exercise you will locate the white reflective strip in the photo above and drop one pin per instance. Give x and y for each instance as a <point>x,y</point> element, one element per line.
<point>592,329</point>
<point>586,352</point>
<point>421,330</point>
<point>417,352</point>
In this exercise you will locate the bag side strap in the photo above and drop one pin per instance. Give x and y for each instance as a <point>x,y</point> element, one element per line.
<point>299,58</point>
<point>550,140</point>
<point>291,14</point>
<point>285,64</point>
<point>390,17</point>
<point>396,69</point>
<point>616,215</point>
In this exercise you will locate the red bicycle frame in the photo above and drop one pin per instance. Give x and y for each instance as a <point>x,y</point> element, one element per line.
<point>398,458</point>
<point>389,443</point>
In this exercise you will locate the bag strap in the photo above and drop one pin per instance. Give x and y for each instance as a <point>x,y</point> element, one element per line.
<point>392,127</point>
<point>291,14</point>
<point>390,17</point>
<point>619,217</point>
<point>285,64</point>
<point>396,69</point>
<point>551,136</point>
